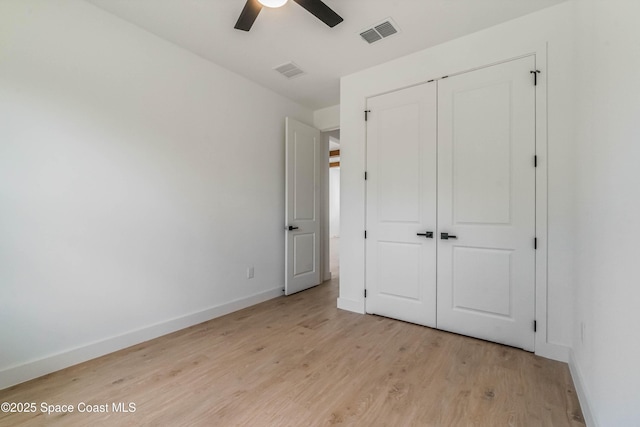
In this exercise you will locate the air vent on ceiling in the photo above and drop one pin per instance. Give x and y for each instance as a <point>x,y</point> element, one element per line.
<point>379,31</point>
<point>289,70</point>
<point>371,35</point>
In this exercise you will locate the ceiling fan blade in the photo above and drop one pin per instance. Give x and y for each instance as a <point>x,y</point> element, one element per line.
<point>321,11</point>
<point>248,15</point>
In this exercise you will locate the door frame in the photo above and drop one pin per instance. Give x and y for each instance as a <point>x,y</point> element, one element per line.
<point>353,157</point>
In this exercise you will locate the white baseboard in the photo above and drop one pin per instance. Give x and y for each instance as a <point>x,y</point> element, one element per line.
<point>37,368</point>
<point>351,305</point>
<point>583,395</point>
<point>553,351</point>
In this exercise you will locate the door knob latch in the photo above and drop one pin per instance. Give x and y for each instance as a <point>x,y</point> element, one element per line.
<point>447,236</point>
<point>426,234</point>
<point>291,227</point>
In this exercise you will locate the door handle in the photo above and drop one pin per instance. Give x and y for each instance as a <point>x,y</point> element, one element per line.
<point>291,227</point>
<point>447,236</point>
<point>426,234</point>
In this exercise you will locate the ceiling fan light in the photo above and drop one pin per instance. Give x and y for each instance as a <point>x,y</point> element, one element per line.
<point>272,3</point>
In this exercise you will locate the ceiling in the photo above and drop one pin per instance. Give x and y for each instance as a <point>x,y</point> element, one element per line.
<point>290,33</point>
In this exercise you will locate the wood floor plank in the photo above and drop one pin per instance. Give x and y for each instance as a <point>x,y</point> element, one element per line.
<point>298,361</point>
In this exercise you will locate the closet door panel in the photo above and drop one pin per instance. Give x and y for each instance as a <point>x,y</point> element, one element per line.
<point>486,203</point>
<point>401,204</point>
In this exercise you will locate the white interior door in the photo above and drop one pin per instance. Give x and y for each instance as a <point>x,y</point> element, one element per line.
<point>302,207</point>
<point>401,205</point>
<point>486,198</point>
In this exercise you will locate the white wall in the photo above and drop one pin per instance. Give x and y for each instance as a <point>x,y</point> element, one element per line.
<point>551,28</point>
<point>607,149</point>
<point>131,178</point>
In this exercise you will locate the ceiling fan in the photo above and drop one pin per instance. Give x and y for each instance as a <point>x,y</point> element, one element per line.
<point>315,7</point>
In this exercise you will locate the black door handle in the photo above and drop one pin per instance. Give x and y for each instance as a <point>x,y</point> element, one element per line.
<point>291,227</point>
<point>427,234</point>
<point>447,236</point>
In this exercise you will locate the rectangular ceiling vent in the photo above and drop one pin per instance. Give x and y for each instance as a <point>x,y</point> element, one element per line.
<point>380,31</point>
<point>289,70</point>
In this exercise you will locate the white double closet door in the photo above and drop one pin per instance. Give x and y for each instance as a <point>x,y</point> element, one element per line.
<point>454,158</point>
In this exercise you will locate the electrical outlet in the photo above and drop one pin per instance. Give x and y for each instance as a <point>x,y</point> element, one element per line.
<point>250,272</point>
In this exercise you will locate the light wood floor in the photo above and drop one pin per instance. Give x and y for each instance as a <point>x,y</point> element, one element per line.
<point>299,361</point>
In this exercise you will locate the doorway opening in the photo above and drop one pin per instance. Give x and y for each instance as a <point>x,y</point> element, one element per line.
<point>334,202</point>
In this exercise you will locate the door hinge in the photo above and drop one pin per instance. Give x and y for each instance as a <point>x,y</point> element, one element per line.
<point>535,161</point>
<point>535,326</point>
<point>365,175</point>
<point>535,243</point>
<point>535,77</point>
<point>365,293</point>
<point>365,234</point>
<point>366,115</point>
